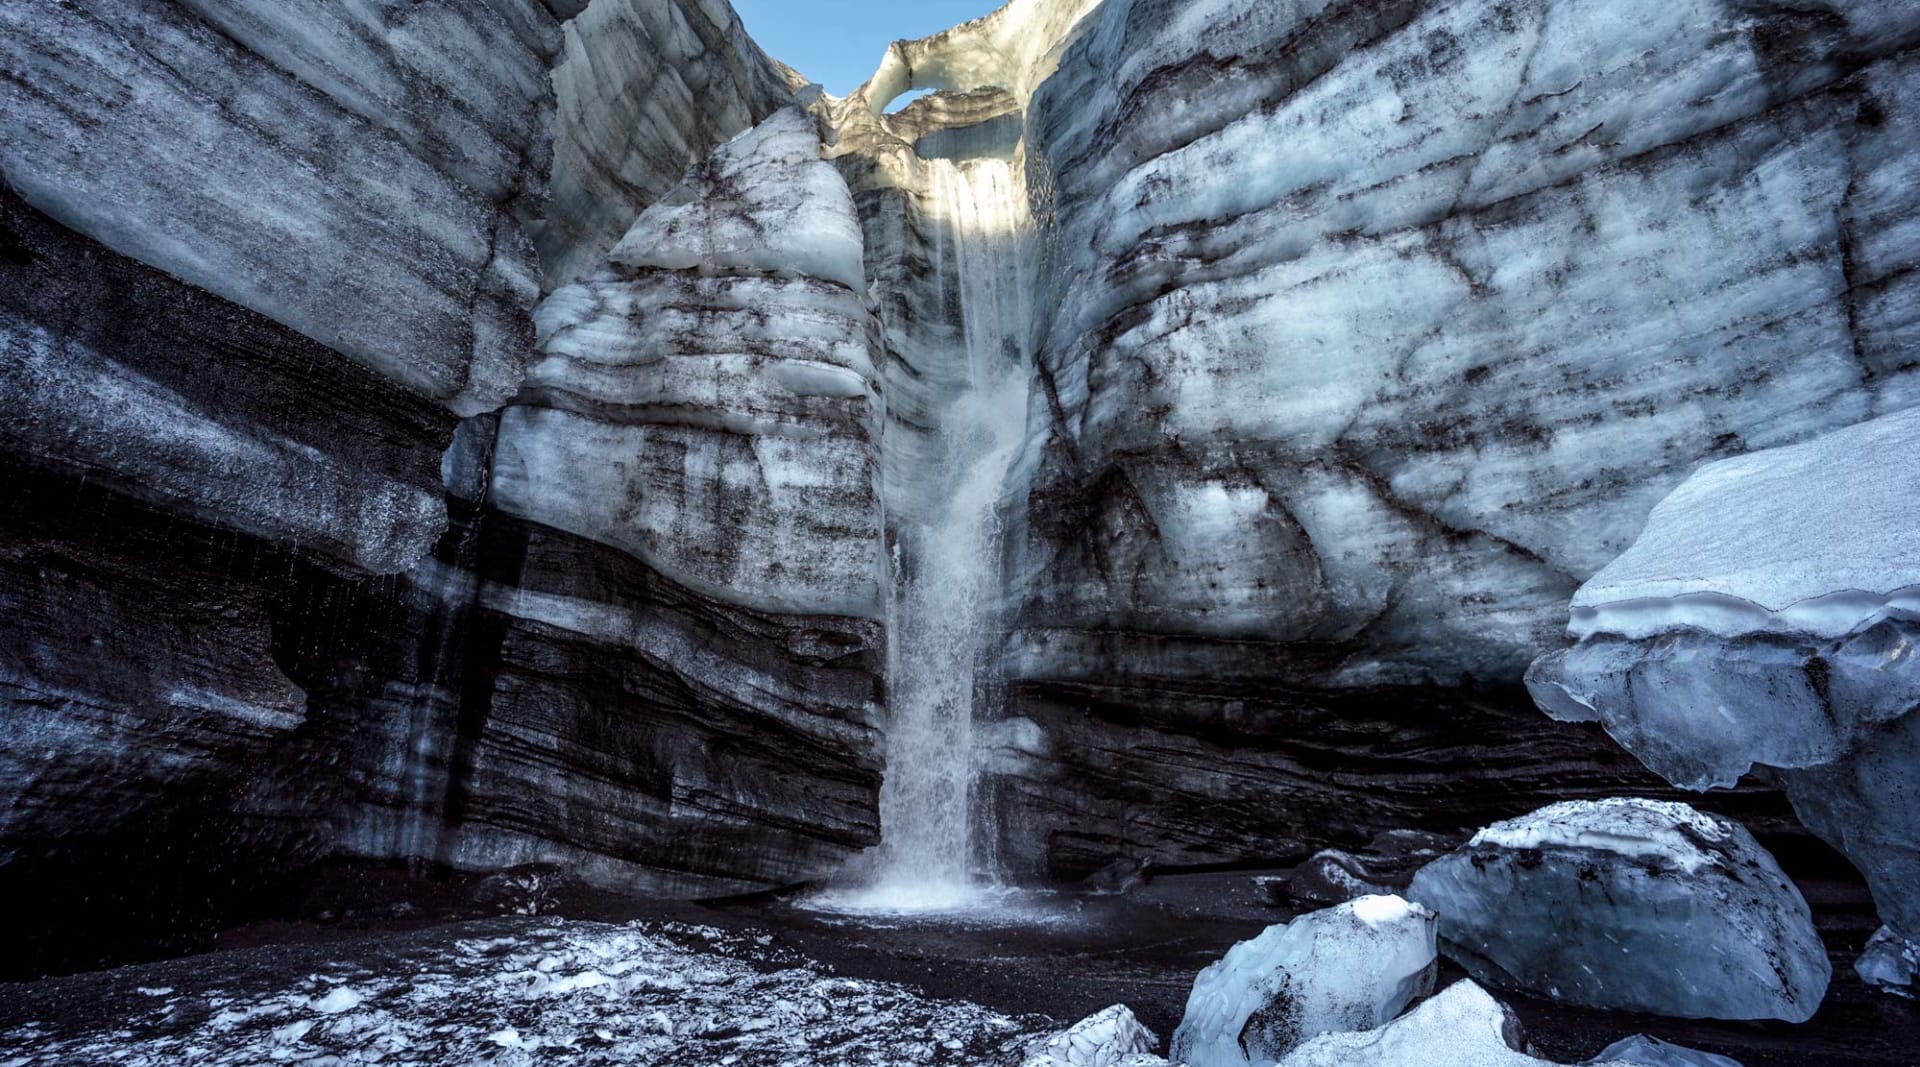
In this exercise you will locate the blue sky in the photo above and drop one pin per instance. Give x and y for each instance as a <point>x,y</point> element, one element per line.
<point>838,43</point>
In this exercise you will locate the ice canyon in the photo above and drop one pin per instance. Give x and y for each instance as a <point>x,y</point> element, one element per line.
<point>483,433</point>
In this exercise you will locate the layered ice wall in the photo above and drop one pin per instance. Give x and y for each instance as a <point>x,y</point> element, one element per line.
<point>703,410</point>
<point>256,264</point>
<point>723,357</point>
<point>1765,618</point>
<point>1367,333</point>
<point>643,89</point>
<point>264,154</point>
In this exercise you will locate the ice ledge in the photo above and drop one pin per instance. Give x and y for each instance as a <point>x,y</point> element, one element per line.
<point>1816,537</point>
<point>1830,615</point>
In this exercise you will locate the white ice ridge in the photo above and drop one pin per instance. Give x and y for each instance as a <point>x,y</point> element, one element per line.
<point>1817,537</point>
<point>1637,829</point>
<point>766,202</point>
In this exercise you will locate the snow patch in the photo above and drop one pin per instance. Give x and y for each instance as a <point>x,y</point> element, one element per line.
<point>1633,828</point>
<point>341,998</point>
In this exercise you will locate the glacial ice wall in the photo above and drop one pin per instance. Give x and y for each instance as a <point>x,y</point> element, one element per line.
<point>352,171</point>
<point>708,400</point>
<point>1380,294</point>
<point>257,265</point>
<point>1369,332</point>
<point>687,639</point>
<point>644,89</point>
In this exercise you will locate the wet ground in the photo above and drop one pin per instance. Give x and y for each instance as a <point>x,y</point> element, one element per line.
<point>1070,956</point>
<point>1057,955</point>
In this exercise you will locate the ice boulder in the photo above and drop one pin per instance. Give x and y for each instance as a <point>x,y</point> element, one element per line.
<point>1653,1052</point>
<point>1890,962</point>
<point>1466,1027</point>
<point>1329,876</point>
<point>1110,1037</point>
<point>1629,904</point>
<point>1462,1027</point>
<point>1768,615</point>
<point>1350,967</point>
<point>1333,876</point>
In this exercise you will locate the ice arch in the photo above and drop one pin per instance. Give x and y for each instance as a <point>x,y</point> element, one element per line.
<point>1013,48</point>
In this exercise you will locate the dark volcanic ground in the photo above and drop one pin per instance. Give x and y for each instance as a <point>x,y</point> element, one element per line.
<point>1144,949</point>
<point>1061,955</point>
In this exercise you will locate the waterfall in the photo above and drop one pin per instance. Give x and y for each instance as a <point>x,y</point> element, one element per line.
<point>943,616</point>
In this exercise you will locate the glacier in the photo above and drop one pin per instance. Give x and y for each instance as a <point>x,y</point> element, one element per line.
<point>724,349</point>
<point>269,277</point>
<point>1370,333</point>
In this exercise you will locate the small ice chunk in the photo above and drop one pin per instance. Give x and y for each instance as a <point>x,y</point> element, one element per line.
<point>1462,1027</point>
<point>1647,1051</point>
<point>1890,963</point>
<point>1333,876</point>
<point>1350,967</point>
<point>337,1000</point>
<point>1327,877</point>
<point>1107,1038</point>
<point>1630,904</point>
<point>1466,1027</point>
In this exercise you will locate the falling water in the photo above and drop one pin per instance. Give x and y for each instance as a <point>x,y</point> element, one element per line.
<point>947,548</point>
